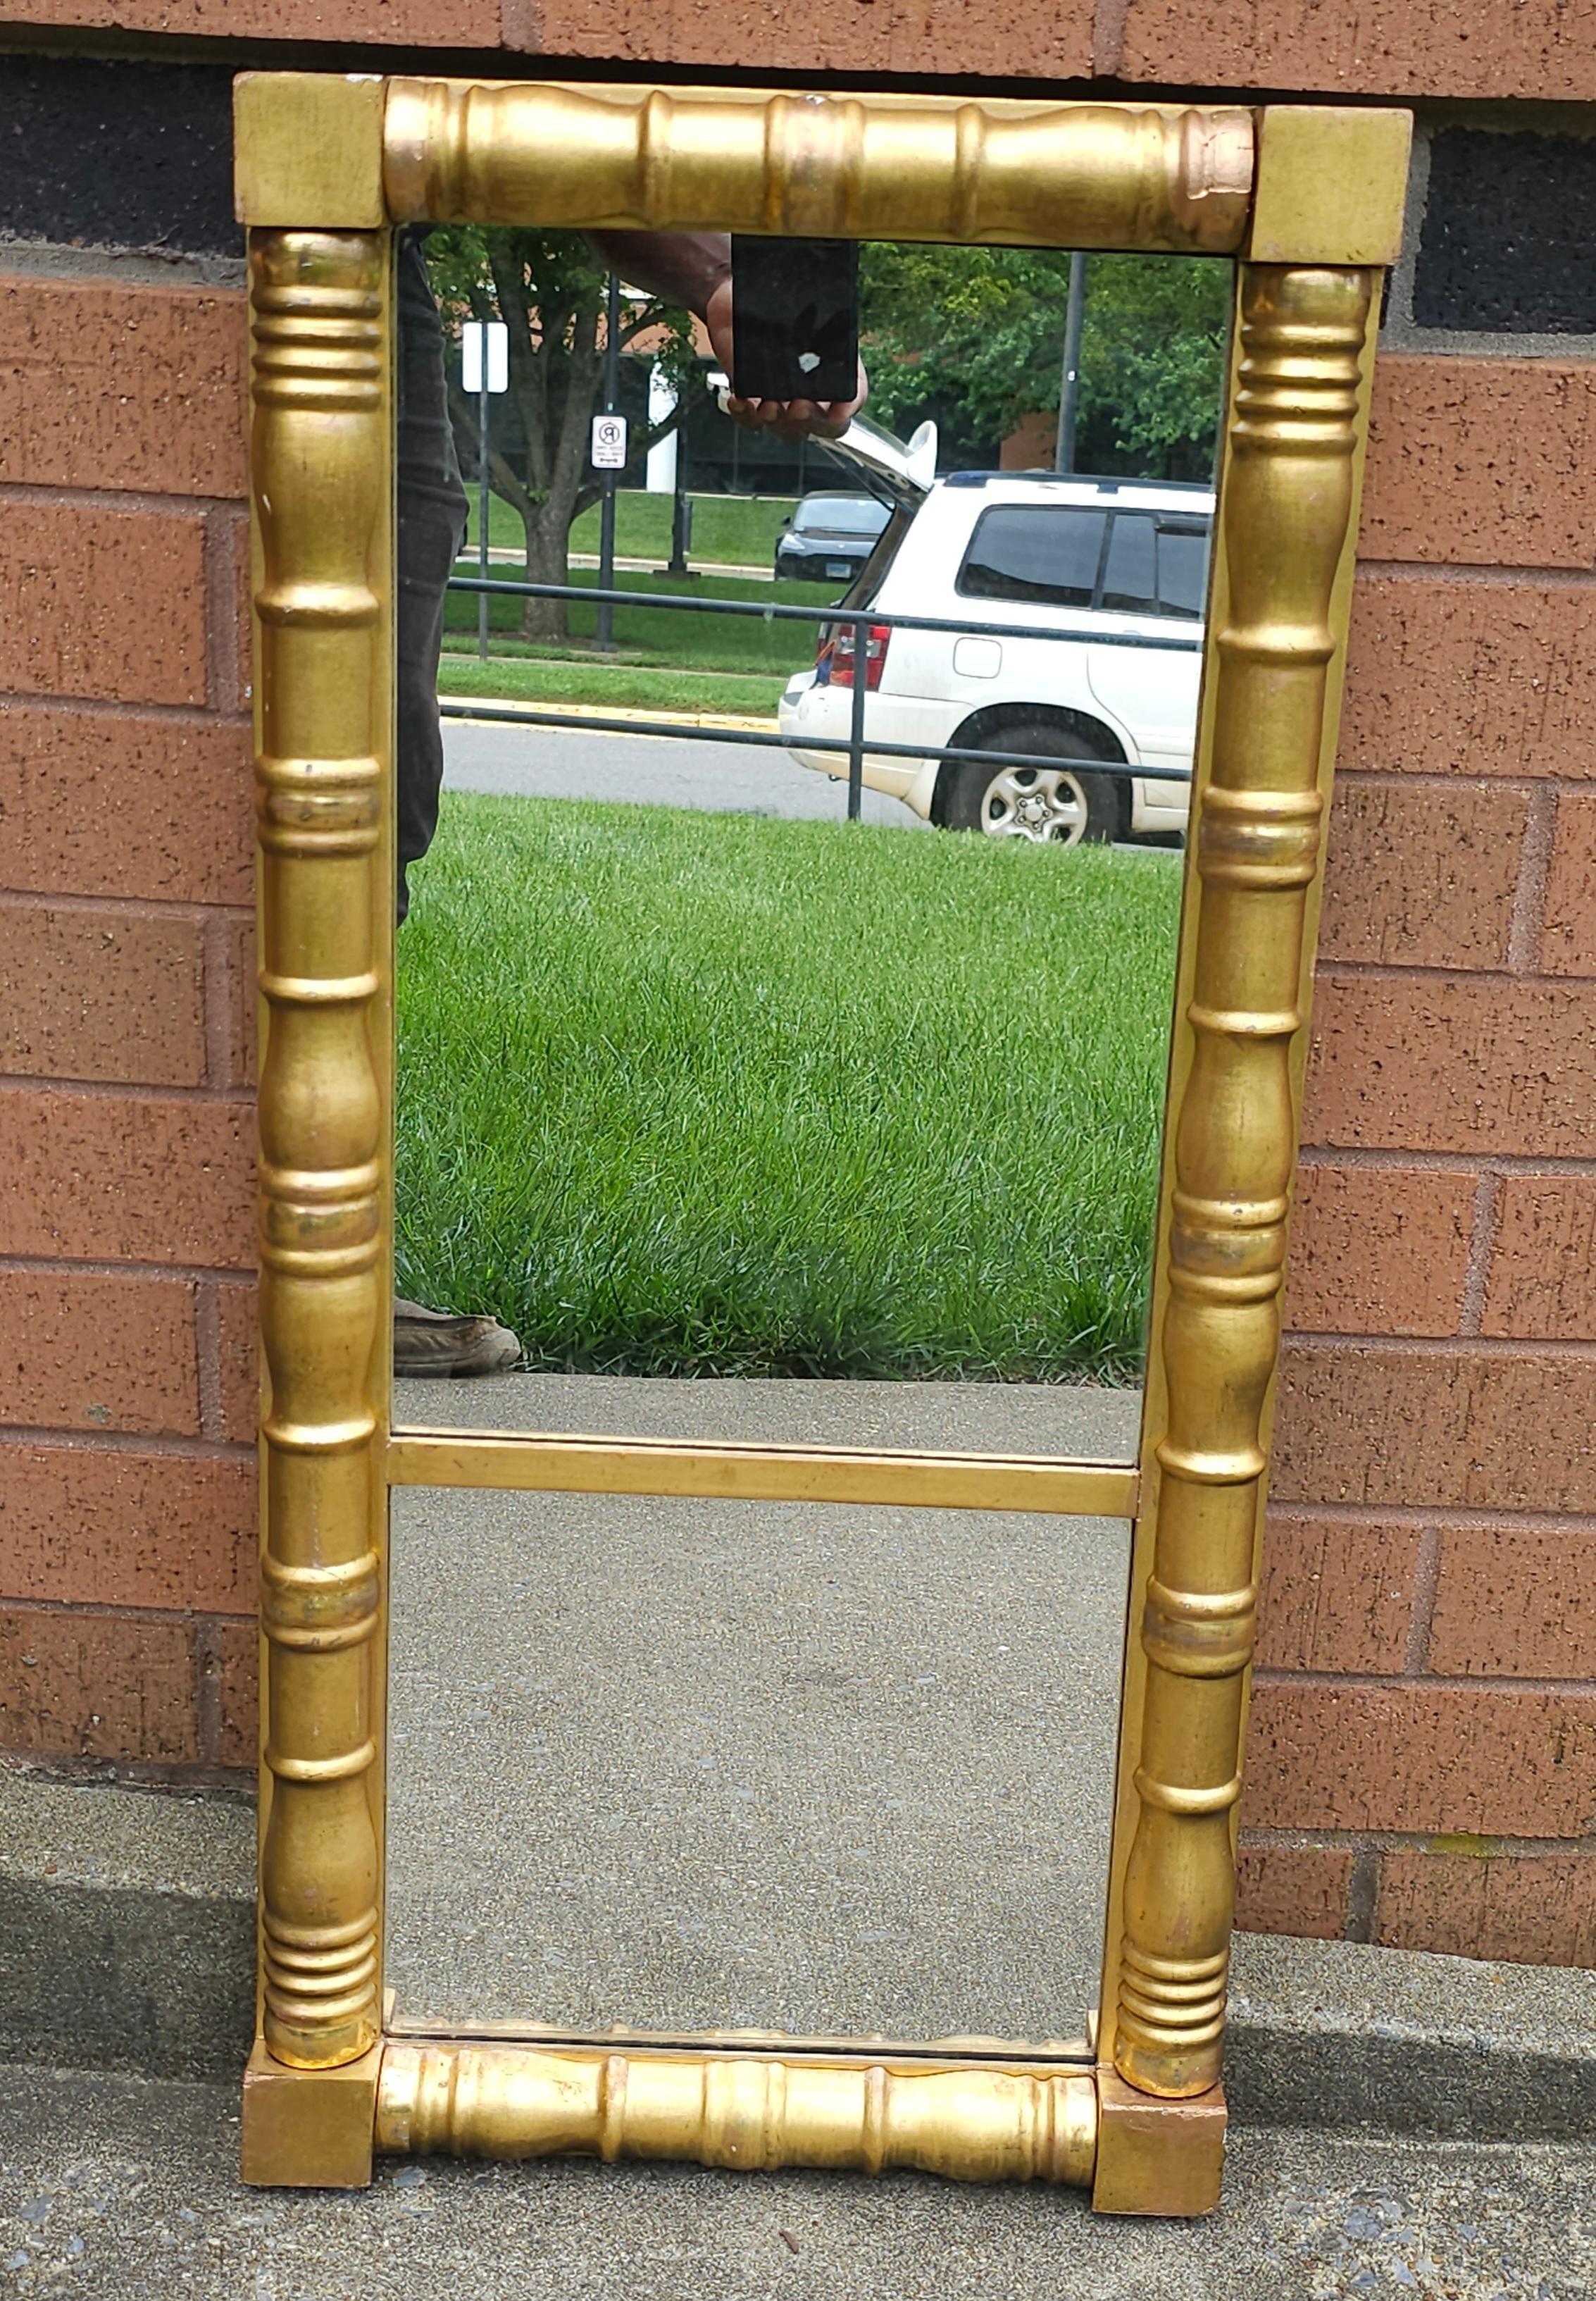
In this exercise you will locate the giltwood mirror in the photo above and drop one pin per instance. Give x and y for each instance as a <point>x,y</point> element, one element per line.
<point>357,2049</point>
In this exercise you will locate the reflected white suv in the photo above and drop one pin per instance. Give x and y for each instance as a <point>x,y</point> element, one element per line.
<point>1117,567</point>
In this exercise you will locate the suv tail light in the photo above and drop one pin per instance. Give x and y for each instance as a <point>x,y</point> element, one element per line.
<point>840,652</point>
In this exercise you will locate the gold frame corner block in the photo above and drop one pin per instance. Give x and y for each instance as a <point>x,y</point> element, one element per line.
<point>308,149</point>
<point>1156,2157</point>
<point>309,2128</point>
<point>1309,199</point>
<point>1331,185</point>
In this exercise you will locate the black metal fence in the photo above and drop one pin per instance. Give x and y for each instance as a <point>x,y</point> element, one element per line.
<point>861,620</point>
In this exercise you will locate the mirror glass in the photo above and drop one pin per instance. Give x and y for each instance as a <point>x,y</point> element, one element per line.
<point>721,1116</point>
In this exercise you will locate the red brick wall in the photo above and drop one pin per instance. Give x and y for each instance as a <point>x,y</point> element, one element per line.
<point>126,1478</point>
<point>1545,49</point>
<point>1428,1658</point>
<point>1423,1764</point>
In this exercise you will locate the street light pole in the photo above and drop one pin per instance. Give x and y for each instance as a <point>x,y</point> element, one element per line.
<point>1069,396</point>
<point>604,638</point>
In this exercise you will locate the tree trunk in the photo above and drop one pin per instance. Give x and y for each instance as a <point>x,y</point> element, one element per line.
<point>548,539</point>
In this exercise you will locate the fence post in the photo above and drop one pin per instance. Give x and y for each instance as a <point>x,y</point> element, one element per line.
<point>856,729</point>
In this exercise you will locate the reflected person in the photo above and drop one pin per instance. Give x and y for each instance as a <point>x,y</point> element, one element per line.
<point>692,270</point>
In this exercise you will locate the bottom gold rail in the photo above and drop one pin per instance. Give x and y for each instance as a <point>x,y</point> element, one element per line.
<point>749,2114</point>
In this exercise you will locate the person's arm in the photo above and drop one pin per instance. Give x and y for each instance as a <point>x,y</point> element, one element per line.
<point>694,269</point>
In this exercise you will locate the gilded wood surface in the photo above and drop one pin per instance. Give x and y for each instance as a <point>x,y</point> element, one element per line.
<point>1287,516</point>
<point>742,2112</point>
<point>987,171</point>
<point>746,1473</point>
<point>879,166</point>
<point>320,480</point>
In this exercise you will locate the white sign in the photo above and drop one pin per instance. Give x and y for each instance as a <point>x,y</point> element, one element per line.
<point>609,443</point>
<point>498,356</point>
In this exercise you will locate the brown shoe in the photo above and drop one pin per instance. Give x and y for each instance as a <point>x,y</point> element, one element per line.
<point>436,1343</point>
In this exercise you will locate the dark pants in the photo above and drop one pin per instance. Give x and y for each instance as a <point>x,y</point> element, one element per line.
<point>432,529</point>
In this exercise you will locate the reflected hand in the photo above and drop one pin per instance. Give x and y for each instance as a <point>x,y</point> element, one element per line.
<point>785,419</point>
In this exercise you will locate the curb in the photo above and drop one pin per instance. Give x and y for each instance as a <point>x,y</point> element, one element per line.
<point>127,1943</point>
<point>637,712</point>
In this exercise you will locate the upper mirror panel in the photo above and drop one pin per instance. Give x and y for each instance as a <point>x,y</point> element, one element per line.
<point>697,1079</point>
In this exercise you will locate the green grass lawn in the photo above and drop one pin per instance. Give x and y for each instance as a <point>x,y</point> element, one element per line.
<point>666,636</point>
<point>600,684</point>
<point>683,1094</point>
<point>739,530</point>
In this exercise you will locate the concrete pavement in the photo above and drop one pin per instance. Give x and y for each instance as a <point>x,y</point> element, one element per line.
<point>119,2188</point>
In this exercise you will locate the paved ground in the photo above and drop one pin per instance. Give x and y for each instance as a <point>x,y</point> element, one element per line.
<point>721,778</point>
<point>122,2189</point>
<point>687,1765</point>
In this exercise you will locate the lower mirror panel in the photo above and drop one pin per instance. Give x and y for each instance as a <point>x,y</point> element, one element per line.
<point>662,1767</point>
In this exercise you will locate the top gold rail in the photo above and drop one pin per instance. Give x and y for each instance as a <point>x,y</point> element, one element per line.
<point>985,170</point>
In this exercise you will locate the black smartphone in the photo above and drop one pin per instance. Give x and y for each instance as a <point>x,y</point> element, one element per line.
<point>795,318</point>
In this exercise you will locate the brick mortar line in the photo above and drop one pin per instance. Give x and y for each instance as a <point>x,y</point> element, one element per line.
<point>1464,1519</point>
<point>207,1361</point>
<point>1486,1346</point>
<point>70,1609</point>
<point>100,707</point>
<point>182,1274</point>
<point>1383,1157</point>
<point>216,991</point>
<point>138,906</point>
<point>1529,578</point>
<point>1426,1581</point>
<point>1437,1681</point>
<point>137,1090</point>
<point>1404,1841</point>
<point>166,1444</point>
<point>1108,37</point>
<point>162,502</point>
<point>207,1691</point>
<point>1334,970</point>
<point>1524,781</point>
<point>1362,1896</point>
<point>223,671</point>
<point>1482,1249</point>
<point>1524,953</point>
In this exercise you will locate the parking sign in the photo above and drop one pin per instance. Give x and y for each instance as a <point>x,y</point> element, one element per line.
<point>609,443</point>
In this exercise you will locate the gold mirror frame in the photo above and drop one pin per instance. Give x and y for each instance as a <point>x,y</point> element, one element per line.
<point>1309,201</point>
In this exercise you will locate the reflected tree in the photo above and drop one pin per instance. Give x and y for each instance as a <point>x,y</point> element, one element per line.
<point>549,288</point>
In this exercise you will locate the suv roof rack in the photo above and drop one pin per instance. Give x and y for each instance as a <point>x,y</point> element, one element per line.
<point>1083,478</point>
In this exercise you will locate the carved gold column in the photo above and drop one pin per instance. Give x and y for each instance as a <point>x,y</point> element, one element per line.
<point>320,464</point>
<point>743,2111</point>
<point>1287,503</point>
<point>980,169</point>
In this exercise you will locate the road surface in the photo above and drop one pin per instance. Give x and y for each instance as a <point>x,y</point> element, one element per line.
<point>672,771</point>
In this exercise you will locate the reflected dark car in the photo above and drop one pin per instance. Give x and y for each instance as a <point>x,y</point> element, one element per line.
<point>829,537</point>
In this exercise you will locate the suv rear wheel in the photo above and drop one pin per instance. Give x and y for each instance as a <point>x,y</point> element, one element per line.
<point>1062,806</point>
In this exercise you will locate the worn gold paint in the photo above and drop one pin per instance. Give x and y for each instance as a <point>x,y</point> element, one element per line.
<point>1277,635</point>
<point>1149,2130</point>
<point>746,1473</point>
<point>749,2112</point>
<point>970,170</point>
<point>320,305</point>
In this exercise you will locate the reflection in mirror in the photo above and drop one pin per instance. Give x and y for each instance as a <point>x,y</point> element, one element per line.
<point>821,1769</point>
<point>723,1116</point>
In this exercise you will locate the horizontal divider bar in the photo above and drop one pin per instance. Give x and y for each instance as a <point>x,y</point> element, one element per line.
<point>736,1472</point>
<point>762,2044</point>
<point>783,611</point>
<point>502,715</point>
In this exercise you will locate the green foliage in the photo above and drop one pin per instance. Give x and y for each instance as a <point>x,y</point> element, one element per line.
<point>690,1093</point>
<point>984,328</point>
<point>549,289</point>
